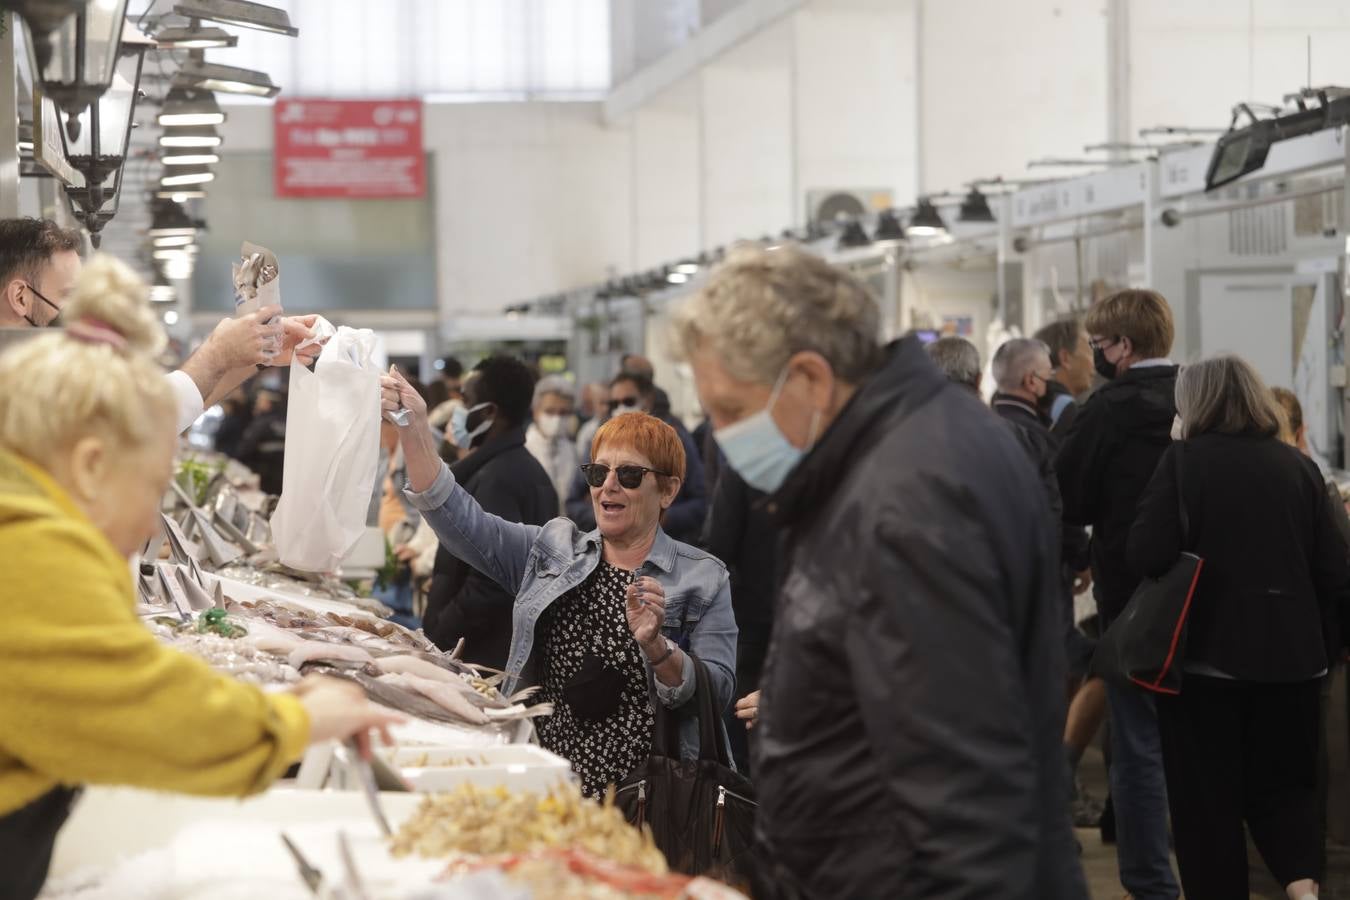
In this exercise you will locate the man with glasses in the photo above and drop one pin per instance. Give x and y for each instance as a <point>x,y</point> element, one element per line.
<point>1107,459</point>
<point>39,263</point>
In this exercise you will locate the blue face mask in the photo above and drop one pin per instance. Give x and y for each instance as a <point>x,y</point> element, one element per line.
<point>459,426</point>
<point>758,451</point>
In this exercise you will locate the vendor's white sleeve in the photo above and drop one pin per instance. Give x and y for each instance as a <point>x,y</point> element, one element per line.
<point>190,400</point>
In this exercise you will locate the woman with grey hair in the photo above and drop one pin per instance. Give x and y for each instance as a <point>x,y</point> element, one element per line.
<point>1241,741</point>
<point>549,437</point>
<point>910,715</point>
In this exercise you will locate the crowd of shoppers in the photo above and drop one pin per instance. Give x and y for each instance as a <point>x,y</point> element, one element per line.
<point>877,568</point>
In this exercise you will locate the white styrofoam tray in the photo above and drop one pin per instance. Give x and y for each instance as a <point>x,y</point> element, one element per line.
<point>122,843</point>
<point>522,766</point>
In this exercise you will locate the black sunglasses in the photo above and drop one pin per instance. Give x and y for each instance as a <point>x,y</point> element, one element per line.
<point>626,402</point>
<point>629,476</point>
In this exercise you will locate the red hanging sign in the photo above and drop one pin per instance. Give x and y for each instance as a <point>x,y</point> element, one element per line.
<point>349,148</point>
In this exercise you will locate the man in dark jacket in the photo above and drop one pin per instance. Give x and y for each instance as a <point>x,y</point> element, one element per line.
<point>1072,380</point>
<point>507,481</point>
<point>263,445</point>
<point>741,533</point>
<point>908,741</point>
<point>1106,461</point>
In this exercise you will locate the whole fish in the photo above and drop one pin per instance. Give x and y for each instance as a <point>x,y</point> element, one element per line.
<point>320,650</point>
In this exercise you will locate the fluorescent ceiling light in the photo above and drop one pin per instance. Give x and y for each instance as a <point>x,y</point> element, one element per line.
<point>183,106</point>
<point>178,269</point>
<point>180,196</point>
<point>229,79</point>
<point>190,175</point>
<point>688,268</point>
<point>677,278</point>
<point>190,159</point>
<point>163,293</point>
<point>175,240</point>
<point>239,12</point>
<point>194,37</point>
<point>200,136</point>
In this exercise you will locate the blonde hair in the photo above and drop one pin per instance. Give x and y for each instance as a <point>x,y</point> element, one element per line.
<point>762,306</point>
<point>1226,395</point>
<point>56,389</point>
<point>1293,414</point>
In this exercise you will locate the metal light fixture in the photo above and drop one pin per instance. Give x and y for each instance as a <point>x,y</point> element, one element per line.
<point>43,18</point>
<point>239,12</point>
<point>96,140</point>
<point>190,108</point>
<point>194,37</point>
<point>189,159</point>
<point>975,208</point>
<point>83,58</point>
<point>228,79</point>
<point>1241,151</point>
<point>854,235</point>
<point>169,219</point>
<point>200,136</point>
<point>926,221</point>
<point>889,227</point>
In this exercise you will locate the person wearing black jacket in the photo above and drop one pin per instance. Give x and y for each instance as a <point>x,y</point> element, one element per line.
<point>908,726</point>
<point>1072,360</point>
<point>507,481</point>
<point>1241,741</point>
<point>1104,464</point>
<point>262,447</point>
<point>742,534</point>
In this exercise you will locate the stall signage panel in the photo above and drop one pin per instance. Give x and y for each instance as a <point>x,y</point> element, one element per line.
<point>349,148</point>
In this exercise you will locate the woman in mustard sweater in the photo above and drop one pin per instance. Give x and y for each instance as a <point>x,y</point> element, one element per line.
<point>87,695</point>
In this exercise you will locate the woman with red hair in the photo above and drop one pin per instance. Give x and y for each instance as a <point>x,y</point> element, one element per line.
<point>605,622</point>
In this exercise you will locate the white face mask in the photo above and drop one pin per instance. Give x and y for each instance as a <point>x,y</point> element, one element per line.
<point>550,424</point>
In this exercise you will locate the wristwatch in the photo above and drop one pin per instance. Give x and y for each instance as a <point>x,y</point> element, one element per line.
<point>671,647</point>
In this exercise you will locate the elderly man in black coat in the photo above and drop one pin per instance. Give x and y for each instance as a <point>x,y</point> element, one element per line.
<point>909,723</point>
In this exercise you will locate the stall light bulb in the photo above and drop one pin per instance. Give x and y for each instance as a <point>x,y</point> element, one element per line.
<point>171,317</point>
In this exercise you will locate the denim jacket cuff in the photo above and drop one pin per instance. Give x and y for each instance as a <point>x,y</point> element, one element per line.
<point>435,496</point>
<point>672,697</point>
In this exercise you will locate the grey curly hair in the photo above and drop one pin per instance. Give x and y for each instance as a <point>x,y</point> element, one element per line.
<point>762,306</point>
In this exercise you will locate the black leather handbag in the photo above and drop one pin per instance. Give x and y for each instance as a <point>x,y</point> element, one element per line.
<point>1146,646</point>
<point>700,811</point>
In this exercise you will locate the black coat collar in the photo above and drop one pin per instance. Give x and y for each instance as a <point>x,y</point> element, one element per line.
<point>490,449</point>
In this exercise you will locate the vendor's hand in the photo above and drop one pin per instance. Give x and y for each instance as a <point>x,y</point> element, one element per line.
<point>747,709</point>
<point>405,553</point>
<point>396,393</point>
<point>339,710</point>
<point>646,610</point>
<point>294,331</point>
<point>240,342</point>
<point>1082,582</point>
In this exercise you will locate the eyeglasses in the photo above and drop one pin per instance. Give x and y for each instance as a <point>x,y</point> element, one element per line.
<point>623,402</point>
<point>1104,344</point>
<point>630,477</point>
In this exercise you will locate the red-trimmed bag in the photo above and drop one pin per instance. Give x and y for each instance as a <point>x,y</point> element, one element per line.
<point>1146,646</point>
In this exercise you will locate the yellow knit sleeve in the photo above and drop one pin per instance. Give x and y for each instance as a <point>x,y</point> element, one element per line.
<point>87,695</point>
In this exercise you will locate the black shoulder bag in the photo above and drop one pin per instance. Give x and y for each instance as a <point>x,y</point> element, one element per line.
<point>701,812</point>
<point>1146,646</point>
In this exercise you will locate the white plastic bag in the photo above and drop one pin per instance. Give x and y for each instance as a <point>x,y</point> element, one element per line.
<point>332,452</point>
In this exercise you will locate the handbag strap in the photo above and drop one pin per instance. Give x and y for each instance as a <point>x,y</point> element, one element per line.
<point>666,733</point>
